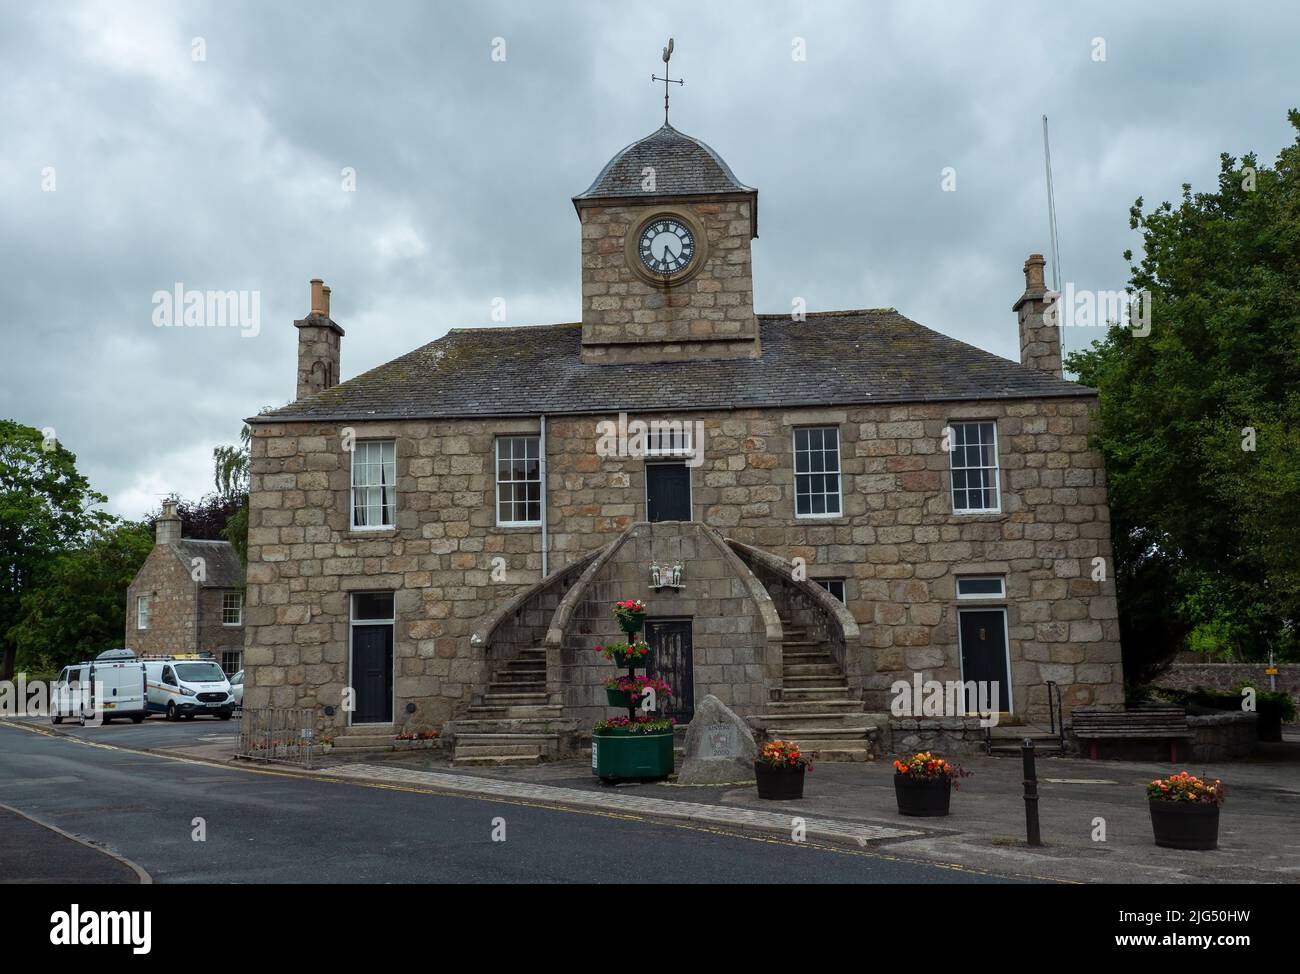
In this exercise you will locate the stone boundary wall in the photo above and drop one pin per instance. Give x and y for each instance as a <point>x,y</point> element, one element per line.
<point>944,735</point>
<point>1221,676</point>
<point>1222,737</point>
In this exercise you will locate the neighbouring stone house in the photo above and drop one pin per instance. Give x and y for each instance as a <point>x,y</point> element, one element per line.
<point>851,499</point>
<point>188,597</point>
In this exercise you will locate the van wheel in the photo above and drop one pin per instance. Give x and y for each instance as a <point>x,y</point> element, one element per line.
<point>224,715</point>
<point>138,719</point>
<point>188,716</point>
<point>81,720</point>
<point>56,718</point>
<point>171,709</point>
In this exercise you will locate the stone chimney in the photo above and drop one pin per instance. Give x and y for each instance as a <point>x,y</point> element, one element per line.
<point>167,529</point>
<point>319,341</point>
<point>1040,331</point>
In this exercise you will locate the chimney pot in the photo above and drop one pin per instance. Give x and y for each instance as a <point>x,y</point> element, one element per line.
<point>1034,273</point>
<point>167,529</point>
<point>319,301</point>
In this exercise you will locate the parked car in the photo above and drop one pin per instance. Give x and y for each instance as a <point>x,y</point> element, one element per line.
<point>187,685</point>
<point>112,685</point>
<point>237,689</point>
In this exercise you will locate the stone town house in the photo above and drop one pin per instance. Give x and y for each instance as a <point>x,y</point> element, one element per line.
<point>187,597</point>
<point>852,498</point>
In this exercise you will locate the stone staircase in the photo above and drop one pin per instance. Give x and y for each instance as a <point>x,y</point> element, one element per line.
<point>366,737</point>
<point>1005,740</point>
<point>815,710</point>
<point>511,723</point>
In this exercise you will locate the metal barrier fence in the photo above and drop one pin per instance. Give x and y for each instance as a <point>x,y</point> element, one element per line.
<point>287,736</point>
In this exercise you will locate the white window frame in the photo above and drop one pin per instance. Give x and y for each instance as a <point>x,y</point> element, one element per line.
<point>679,436</point>
<point>1001,593</point>
<point>391,507</point>
<point>826,583</point>
<point>996,468</point>
<point>141,612</point>
<point>238,606</point>
<point>838,472</point>
<point>496,452</point>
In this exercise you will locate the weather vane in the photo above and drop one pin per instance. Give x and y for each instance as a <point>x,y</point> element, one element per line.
<point>668,52</point>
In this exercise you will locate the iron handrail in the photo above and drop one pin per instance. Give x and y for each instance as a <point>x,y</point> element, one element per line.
<point>1053,713</point>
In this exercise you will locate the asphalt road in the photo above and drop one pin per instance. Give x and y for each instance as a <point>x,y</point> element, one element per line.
<point>274,828</point>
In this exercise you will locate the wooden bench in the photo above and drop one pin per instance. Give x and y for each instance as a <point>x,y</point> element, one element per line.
<point>1154,722</point>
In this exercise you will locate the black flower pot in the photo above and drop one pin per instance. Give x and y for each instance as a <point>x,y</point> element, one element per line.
<point>781,784</point>
<point>1185,825</point>
<point>923,797</point>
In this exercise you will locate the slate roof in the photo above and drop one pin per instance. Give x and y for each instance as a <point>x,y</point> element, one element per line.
<point>682,165</point>
<point>221,563</point>
<point>832,358</point>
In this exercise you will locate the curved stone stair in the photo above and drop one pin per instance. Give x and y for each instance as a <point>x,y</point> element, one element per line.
<point>511,723</point>
<point>815,710</point>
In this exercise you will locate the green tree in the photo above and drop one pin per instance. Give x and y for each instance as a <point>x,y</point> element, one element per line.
<point>46,507</point>
<point>231,467</point>
<point>76,606</point>
<point>1200,420</point>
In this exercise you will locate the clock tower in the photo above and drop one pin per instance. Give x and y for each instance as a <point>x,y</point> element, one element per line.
<point>666,270</point>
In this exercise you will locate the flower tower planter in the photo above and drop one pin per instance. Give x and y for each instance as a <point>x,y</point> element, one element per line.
<point>638,747</point>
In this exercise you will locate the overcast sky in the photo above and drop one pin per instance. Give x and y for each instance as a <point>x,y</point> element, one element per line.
<point>142,145</point>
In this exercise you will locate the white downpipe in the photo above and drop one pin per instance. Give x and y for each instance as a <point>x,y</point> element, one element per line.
<point>541,451</point>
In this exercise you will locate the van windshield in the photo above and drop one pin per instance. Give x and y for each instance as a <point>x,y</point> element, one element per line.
<point>200,672</point>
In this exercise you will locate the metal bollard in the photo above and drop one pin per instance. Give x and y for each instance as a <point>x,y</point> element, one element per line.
<point>1031,794</point>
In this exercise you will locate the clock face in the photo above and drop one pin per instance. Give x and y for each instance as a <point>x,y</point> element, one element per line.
<point>667,246</point>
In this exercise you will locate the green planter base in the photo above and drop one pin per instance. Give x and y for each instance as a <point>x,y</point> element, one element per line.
<point>632,757</point>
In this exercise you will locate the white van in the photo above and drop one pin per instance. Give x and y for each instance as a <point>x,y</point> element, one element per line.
<point>116,675</point>
<point>185,685</point>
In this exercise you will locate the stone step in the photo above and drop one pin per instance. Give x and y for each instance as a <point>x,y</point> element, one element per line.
<point>500,686</point>
<point>812,669</point>
<point>514,711</point>
<point>806,736</point>
<point>512,698</point>
<point>497,760</point>
<point>807,656</point>
<point>801,681</point>
<point>470,748</point>
<point>835,719</point>
<point>514,726</point>
<point>822,704</point>
<point>368,730</point>
<point>798,694</point>
<point>363,742</point>
<point>800,643</point>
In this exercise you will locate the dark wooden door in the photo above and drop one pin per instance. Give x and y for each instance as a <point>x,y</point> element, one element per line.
<point>668,492</point>
<point>984,654</point>
<point>372,674</point>
<point>671,660</point>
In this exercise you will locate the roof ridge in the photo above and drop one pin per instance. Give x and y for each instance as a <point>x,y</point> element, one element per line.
<point>476,328</point>
<point>773,316</point>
